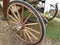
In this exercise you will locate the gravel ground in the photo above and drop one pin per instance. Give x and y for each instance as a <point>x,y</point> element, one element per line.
<point>9,38</point>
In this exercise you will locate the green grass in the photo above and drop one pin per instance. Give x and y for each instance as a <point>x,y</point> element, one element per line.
<point>1,12</point>
<point>53,29</point>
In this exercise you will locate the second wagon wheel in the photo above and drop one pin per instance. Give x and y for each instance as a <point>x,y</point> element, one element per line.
<point>49,15</point>
<point>18,15</point>
<point>53,12</point>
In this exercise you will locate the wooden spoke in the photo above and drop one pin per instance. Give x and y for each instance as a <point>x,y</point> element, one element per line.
<point>22,13</point>
<point>32,35</point>
<point>25,35</point>
<point>33,30</point>
<point>14,27</point>
<point>18,14</point>
<point>32,24</point>
<point>14,14</point>
<point>21,32</point>
<point>53,6</point>
<point>28,35</point>
<point>13,18</point>
<point>13,22</point>
<point>27,18</point>
<point>17,35</point>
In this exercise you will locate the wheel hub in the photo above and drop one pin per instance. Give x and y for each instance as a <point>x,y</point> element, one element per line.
<point>19,27</point>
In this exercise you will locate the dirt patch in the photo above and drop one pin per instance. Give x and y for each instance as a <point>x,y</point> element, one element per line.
<point>7,37</point>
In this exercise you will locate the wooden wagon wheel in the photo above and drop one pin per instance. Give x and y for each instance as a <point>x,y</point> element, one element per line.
<point>53,12</point>
<point>18,14</point>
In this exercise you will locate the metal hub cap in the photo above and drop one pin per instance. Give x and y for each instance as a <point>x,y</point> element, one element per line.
<point>19,27</point>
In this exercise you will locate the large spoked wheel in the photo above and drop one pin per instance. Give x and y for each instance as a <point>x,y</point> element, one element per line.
<point>18,15</point>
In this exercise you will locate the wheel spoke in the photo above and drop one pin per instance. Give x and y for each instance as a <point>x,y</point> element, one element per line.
<point>25,35</point>
<point>53,6</point>
<point>13,22</point>
<point>33,30</point>
<point>21,32</point>
<point>28,35</point>
<point>22,13</point>
<point>13,18</point>
<point>32,24</point>
<point>18,14</point>
<point>32,35</point>
<point>27,18</point>
<point>14,14</point>
<point>13,27</point>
